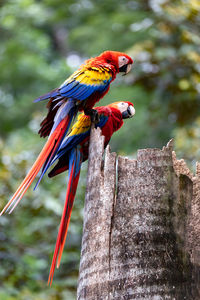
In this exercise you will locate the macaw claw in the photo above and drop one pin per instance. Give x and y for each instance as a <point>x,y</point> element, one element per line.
<point>94,116</point>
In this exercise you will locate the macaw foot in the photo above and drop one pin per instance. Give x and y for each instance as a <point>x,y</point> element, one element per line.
<point>94,116</point>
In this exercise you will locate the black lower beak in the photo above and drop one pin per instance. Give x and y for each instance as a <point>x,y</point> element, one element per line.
<point>129,113</point>
<point>126,69</point>
<point>123,69</point>
<point>126,114</point>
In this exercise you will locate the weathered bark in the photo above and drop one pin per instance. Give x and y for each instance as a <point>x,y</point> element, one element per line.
<point>141,232</point>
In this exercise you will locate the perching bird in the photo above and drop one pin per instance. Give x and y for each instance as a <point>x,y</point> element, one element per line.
<point>79,92</point>
<point>73,151</point>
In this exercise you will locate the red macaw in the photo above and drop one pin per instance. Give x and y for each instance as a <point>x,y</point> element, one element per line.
<point>73,151</point>
<point>79,92</point>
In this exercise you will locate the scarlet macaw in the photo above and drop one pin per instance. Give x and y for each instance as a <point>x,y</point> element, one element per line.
<point>73,151</point>
<point>80,91</point>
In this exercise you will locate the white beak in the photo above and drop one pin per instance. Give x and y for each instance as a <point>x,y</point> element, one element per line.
<point>128,68</point>
<point>132,110</point>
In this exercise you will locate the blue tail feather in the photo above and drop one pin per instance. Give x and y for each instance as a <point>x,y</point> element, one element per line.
<point>75,156</point>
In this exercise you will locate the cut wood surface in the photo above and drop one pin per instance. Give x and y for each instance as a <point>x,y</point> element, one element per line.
<point>141,233</point>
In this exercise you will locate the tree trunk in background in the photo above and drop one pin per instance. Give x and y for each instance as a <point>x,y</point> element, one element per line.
<point>141,235</point>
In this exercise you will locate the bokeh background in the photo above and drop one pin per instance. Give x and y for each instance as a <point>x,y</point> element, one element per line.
<point>43,42</point>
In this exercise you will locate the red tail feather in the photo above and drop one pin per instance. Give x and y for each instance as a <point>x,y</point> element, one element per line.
<point>64,224</point>
<point>49,148</point>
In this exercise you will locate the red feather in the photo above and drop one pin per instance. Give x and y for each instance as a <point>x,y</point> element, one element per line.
<point>64,224</point>
<point>49,149</point>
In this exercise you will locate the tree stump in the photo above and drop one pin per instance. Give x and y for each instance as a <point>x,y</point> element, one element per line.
<point>141,233</point>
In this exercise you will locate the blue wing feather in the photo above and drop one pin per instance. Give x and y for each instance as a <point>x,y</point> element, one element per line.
<point>80,89</point>
<point>69,88</point>
<point>74,91</point>
<point>73,88</point>
<point>51,94</point>
<point>81,92</point>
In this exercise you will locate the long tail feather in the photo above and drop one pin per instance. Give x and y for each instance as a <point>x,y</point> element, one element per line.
<point>45,157</point>
<point>69,108</point>
<point>62,121</point>
<point>75,160</point>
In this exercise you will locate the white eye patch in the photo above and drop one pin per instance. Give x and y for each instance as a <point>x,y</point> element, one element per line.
<point>122,60</point>
<point>122,106</point>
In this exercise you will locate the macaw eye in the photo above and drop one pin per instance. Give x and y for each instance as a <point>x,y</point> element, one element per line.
<point>122,61</point>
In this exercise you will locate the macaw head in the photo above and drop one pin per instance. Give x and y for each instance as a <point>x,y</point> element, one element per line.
<point>120,60</point>
<point>125,107</point>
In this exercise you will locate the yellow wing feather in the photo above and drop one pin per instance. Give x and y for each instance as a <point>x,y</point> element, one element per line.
<point>94,76</point>
<point>82,125</point>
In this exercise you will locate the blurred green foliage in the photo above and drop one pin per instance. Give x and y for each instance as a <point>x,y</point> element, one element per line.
<point>42,42</point>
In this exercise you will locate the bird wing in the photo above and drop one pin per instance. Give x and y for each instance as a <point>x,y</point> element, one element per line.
<point>82,83</point>
<point>80,131</point>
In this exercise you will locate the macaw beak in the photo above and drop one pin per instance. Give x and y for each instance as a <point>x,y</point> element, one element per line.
<point>129,113</point>
<point>126,69</point>
<point>129,66</point>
